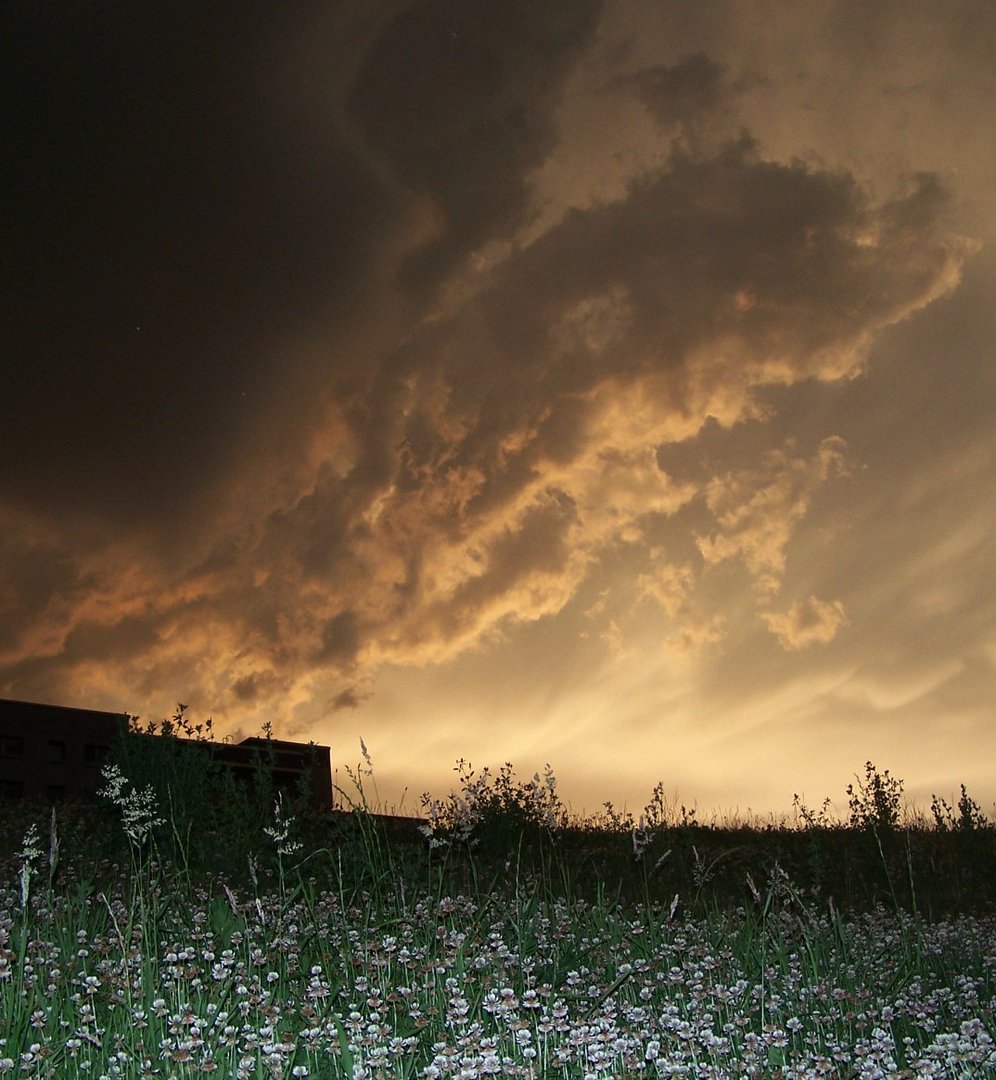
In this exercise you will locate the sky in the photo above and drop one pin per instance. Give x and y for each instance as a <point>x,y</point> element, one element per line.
<point>601,384</point>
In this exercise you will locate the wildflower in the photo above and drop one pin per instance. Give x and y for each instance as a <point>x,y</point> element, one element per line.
<point>53,849</point>
<point>660,862</point>
<point>449,823</point>
<point>642,838</point>
<point>754,891</point>
<point>30,851</point>
<point>281,828</point>
<point>428,828</point>
<point>138,808</point>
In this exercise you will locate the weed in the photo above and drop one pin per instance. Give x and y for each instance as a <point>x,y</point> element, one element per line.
<point>343,949</point>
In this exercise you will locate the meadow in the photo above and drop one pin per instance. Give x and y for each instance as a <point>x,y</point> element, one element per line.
<point>182,924</point>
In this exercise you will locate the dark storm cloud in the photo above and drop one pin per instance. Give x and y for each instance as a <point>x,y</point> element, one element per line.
<point>500,452</point>
<point>489,455</point>
<point>174,217</point>
<point>503,449</point>
<point>252,686</point>
<point>682,93</point>
<point>350,698</point>
<point>782,270</point>
<point>340,638</point>
<point>33,569</point>
<point>458,98</point>
<point>130,637</point>
<point>157,247</point>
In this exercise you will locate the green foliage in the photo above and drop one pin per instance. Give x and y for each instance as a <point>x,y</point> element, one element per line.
<point>296,976</point>
<point>172,761</point>
<point>969,818</point>
<point>496,812</point>
<point>496,829</point>
<point>213,817</point>
<point>518,914</point>
<point>876,801</point>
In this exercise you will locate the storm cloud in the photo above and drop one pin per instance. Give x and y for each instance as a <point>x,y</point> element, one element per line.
<point>329,379</point>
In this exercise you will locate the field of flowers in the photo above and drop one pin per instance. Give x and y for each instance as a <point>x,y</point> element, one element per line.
<point>489,942</point>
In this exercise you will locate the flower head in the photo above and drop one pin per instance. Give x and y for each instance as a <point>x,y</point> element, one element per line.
<point>30,851</point>
<point>139,809</point>
<point>281,829</point>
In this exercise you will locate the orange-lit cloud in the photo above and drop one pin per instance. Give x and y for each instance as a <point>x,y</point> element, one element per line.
<point>488,382</point>
<point>756,512</point>
<point>806,622</point>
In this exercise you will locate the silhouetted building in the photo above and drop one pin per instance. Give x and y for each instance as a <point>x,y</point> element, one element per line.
<point>51,753</point>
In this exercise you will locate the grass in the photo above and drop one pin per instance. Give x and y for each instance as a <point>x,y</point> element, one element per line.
<point>496,937</point>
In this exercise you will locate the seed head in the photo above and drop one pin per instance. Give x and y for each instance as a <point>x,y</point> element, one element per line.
<point>30,851</point>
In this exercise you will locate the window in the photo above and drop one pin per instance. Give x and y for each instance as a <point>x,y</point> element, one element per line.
<point>56,750</point>
<point>11,746</point>
<point>94,754</point>
<point>11,789</point>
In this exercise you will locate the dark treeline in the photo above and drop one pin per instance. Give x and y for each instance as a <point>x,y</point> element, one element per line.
<point>497,832</point>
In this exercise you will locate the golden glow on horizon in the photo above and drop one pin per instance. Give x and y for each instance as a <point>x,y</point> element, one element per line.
<point>617,395</point>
